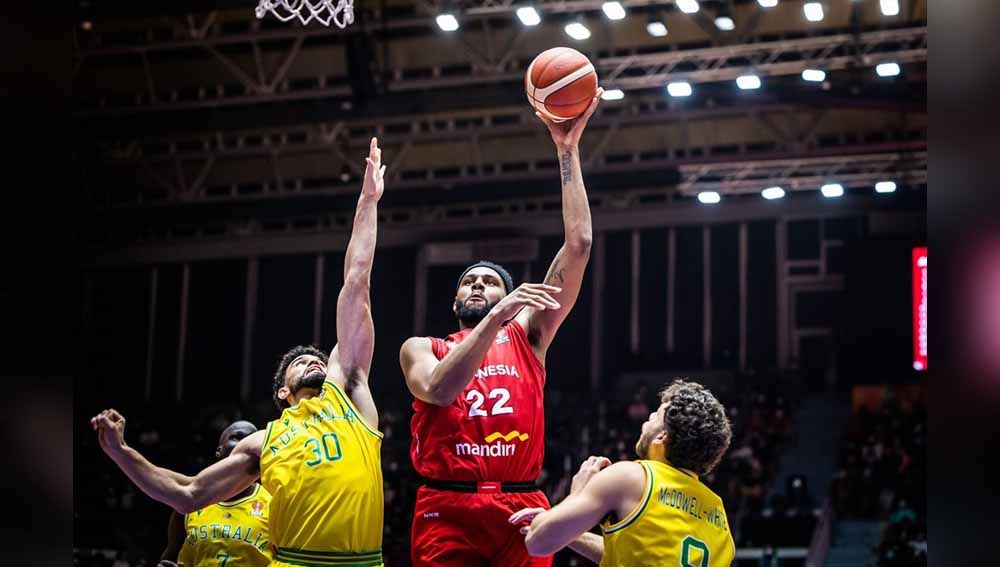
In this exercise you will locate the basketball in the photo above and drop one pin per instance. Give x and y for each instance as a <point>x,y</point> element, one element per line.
<point>560,83</point>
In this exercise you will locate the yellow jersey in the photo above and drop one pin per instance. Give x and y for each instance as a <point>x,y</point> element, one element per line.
<point>228,533</point>
<point>678,522</point>
<point>321,463</point>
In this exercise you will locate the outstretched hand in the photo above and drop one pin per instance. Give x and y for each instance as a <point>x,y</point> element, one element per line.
<point>110,428</point>
<point>374,172</point>
<point>567,134</point>
<point>524,517</point>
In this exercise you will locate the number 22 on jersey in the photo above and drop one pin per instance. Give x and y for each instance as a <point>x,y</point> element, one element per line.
<point>499,407</point>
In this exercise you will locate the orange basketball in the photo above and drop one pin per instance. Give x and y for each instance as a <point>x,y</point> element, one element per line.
<point>560,83</point>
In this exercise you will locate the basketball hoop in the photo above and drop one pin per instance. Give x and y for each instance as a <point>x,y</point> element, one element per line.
<point>340,12</point>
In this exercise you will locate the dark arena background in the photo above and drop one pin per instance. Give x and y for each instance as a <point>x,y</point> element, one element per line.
<point>219,156</point>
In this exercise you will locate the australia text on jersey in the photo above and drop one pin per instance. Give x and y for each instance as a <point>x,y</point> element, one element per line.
<point>227,531</point>
<point>325,412</point>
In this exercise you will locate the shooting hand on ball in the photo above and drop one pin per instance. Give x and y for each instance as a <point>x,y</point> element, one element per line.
<point>567,134</point>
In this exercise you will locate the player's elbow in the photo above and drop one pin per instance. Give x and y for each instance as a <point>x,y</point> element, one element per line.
<point>536,546</point>
<point>185,503</point>
<point>436,394</point>
<point>580,242</point>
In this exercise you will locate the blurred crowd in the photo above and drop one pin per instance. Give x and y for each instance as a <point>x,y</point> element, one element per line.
<point>882,476</point>
<point>117,526</point>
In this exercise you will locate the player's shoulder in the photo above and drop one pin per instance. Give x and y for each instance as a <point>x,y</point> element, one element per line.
<point>622,474</point>
<point>415,346</point>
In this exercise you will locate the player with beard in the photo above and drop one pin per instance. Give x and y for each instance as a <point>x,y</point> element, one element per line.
<point>321,459</point>
<point>655,510</point>
<point>479,423</point>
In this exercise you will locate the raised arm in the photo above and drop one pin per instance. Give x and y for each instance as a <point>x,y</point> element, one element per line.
<point>185,494</point>
<point>355,328</point>
<point>566,270</point>
<point>440,382</point>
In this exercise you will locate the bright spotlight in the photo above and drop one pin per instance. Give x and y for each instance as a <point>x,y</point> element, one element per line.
<point>528,16</point>
<point>887,69</point>
<point>814,11</point>
<point>725,23</point>
<point>688,6</point>
<point>748,82</point>
<point>889,7</point>
<point>679,88</point>
<point>767,3</point>
<point>885,187</point>
<point>613,94</point>
<point>832,190</point>
<point>814,75</point>
<point>709,197</point>
<point>656,29</point>
<point>447,22</point>
<point>614,10</point>
<point>577,31</point>
<point>772,193</point>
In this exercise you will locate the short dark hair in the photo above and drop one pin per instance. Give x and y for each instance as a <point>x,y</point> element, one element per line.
<point>286,359</point>
<point>508,281</point>
<point>698,430</point>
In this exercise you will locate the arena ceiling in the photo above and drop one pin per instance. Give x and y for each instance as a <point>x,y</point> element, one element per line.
<point>197,121</point>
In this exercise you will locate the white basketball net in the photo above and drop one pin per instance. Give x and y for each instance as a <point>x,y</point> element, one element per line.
<point>339,12</point>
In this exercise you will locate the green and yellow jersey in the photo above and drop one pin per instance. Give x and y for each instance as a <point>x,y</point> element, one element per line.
<point>679,521</point>
<point>321,463</point>
<point>228,534</point>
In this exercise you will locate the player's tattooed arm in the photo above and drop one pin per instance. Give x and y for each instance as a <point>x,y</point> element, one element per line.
<point>568,267</point>
<point>185,494</point>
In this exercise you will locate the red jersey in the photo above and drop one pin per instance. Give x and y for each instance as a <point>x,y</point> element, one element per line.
<point>495,429</point>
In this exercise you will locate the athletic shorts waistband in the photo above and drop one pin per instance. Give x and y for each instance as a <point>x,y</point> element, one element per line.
<point>311,558</point>
<point>482,487</point>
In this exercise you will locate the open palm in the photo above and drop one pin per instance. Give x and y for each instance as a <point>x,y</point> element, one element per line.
<point>374,172</point>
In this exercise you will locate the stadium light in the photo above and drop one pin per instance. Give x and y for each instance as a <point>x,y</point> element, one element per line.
<point>613,94</point>
<point>709,197</point>
<point>614,10</point>
<point>813,11</point>
<point>832,190</point>
<point>688,6</point>
<point>767,3</point>
<point>447,22</point>
<point>656,28</point>
<point>577,31</point>
<point>890,69</point>
<point>748,82</point>
<point>679,88</point>
<point>885,187</point>
<point>528,16</point>
<point>772,193</point>
<point>889,7</point>
<point>725,23</point>
<point>814,75</point>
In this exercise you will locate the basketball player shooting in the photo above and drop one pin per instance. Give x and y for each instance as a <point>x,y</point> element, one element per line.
<point>659,512</point>
<point>233,531</point>
<point>321,459</point>
<point>478,425</point>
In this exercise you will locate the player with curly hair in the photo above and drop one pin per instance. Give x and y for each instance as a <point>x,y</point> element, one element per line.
<point>655,510</point>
